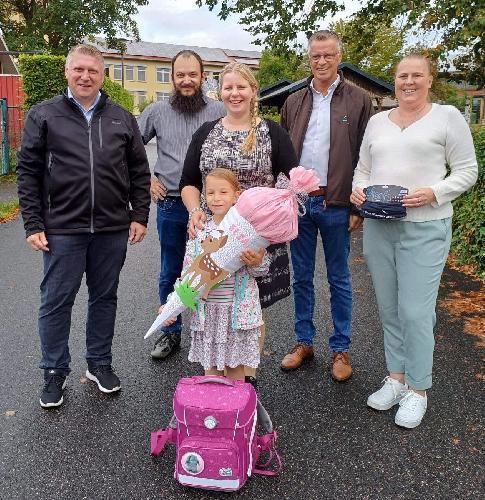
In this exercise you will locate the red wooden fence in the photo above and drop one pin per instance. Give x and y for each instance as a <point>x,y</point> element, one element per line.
<point>11,89</point>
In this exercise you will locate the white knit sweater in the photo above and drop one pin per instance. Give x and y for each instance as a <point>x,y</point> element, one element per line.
<point>417,156</point>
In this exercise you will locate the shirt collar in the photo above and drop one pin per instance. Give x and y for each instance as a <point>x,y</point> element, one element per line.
<point>96,100</point>
<point>330,89</point>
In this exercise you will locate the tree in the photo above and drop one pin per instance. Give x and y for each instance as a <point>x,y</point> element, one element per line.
<point>457,24</point>
<point>274,66</point>
<point>57,25</point>
<point>377,57</point>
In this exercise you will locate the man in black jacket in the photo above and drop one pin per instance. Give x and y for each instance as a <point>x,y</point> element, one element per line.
<point>83,183</point>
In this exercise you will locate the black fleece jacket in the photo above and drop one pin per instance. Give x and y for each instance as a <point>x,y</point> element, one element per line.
<point>75,177</point>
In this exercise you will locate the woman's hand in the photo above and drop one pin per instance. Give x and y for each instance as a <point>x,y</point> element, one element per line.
<point>357,197</point>
<point>252,258</point>
<point>169,321</point>
<point>419,198</point>
<point>196,221</point>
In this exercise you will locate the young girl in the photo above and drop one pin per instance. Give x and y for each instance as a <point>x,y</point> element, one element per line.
<point>225,329</point>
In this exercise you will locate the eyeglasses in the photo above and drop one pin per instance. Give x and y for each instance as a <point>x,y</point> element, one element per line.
<point>327,57</point>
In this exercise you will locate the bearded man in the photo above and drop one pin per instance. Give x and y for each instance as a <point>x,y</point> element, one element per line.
<point>173,122</point>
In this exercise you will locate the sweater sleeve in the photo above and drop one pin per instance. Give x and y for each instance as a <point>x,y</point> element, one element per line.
<point>363,168</point>
<point>460,156</point>
<point>284,158</point>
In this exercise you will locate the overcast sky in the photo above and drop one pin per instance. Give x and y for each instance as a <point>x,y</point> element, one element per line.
<point>182,22</point>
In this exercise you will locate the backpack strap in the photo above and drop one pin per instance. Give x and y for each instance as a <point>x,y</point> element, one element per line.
<point>159,439</point>
<point>267,443</point>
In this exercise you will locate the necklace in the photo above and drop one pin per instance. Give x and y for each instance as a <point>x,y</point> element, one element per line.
<point>405,122</point>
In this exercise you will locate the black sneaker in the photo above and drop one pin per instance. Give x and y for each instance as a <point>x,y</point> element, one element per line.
<point>53,392</point>
<point>105,377</point>
<point>167,344</point>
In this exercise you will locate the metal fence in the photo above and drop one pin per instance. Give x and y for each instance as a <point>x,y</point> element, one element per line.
<point>4,148</point>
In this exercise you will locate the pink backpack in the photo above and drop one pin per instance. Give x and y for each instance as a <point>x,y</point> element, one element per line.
<point>214,431</point>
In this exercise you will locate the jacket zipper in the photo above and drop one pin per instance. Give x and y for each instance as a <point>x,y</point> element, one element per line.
<point>49,168</point>
<point>91,160</point>
<point>100,134</point>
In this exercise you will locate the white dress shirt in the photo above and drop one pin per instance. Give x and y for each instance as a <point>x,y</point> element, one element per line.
<point>316,146</point>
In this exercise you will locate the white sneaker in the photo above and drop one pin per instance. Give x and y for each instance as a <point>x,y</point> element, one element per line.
<point>411,410</point>
<point>388,395</point>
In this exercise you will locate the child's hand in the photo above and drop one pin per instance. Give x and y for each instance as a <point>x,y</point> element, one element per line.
<point>169,321</point>
<point>252,258</point>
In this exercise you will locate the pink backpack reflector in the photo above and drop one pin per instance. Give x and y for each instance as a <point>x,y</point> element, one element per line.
<point>214,431</point>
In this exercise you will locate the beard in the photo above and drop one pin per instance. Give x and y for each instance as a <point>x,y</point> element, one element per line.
<point>187,104</point>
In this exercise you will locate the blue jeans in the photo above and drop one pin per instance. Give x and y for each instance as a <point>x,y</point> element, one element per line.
<point>101,256</point>
<point>332,222</point>
<point>172,218</point>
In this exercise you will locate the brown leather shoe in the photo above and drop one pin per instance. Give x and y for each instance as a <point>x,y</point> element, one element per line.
<point>341,369</point>
<point>296,356</point>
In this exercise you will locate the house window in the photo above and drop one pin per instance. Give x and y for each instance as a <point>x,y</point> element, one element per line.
<point>142,96</point>
<point>163,75</point>
<point>163,96</point>
<point>106,69</point>
<point>129,72</point>
<point>215,75</point>
<point>141,73</point>
<point>117,75</point>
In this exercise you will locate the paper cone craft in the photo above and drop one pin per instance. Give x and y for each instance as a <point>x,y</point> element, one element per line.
<point>260,217</point>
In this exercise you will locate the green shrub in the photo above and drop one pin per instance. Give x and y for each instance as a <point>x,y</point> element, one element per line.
<point>469,214</point>
<point>43,78</point>
<point>143,105</point>
<point>118,94</point>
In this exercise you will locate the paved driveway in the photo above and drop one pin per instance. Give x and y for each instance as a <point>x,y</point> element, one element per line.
<point>332,445</point>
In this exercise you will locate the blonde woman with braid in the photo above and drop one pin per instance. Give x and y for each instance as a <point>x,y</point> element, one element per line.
<point>256,150</point>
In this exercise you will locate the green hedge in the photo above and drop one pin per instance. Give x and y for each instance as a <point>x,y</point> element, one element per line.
<point>468,242</point>
<point>43,78</point>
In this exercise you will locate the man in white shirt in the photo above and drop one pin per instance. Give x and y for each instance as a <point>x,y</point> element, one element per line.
<point>326,122</point>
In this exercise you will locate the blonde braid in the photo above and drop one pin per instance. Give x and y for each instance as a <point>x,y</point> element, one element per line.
<point>249,144</point>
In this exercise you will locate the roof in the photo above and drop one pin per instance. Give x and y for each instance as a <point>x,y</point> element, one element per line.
<point>282,92</point>
<point>168,51</point>
<point>274,86</point>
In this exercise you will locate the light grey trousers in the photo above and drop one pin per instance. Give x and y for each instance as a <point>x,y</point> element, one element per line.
<point>406,260</point>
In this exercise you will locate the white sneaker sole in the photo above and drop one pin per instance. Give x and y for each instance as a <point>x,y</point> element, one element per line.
<point>53,405</point>
<point>90,376</point>
<point>407,425</point>
<point>382,407</point>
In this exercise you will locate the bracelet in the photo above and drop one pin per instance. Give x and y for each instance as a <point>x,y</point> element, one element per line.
<point>195,209</point>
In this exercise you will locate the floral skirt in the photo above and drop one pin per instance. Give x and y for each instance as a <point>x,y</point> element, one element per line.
<point>219,345</point>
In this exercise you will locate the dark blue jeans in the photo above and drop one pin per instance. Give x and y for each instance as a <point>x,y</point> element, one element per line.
<point>172,218</point>
<point>332,222</point>
<point>101,256</point>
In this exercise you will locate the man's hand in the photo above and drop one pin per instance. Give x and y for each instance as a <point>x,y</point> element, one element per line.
<point>355,221</point>
<point>137,233</point>
<point>38,241</point>
<point>252,258</point>
<point>196,222</point>
<point>157,190</point>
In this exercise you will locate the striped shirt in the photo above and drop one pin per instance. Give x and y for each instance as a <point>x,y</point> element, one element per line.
<point>174,131</point>
<point>223,293</point>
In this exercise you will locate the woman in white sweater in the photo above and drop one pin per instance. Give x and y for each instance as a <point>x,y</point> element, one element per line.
<point>411,146</point>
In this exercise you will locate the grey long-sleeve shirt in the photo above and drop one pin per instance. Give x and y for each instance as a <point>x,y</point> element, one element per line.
<point>174,131</point>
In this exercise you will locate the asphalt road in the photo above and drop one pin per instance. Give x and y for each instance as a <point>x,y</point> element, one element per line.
<point>332,445</point>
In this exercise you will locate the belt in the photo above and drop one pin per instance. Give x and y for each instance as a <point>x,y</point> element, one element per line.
<point>321,191</point>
